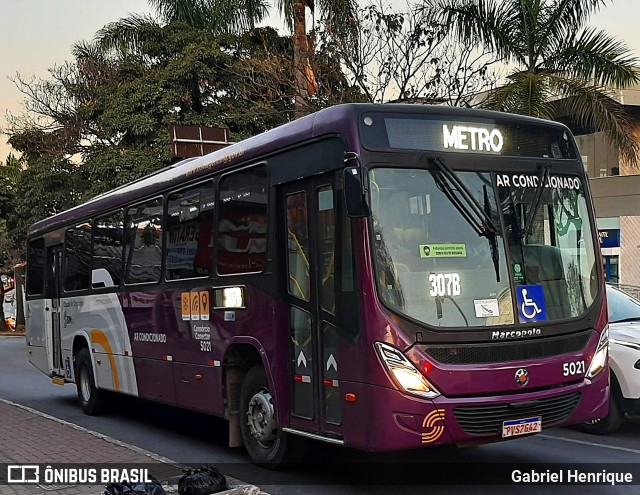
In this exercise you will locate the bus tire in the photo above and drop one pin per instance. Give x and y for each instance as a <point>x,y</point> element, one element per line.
<point>267,445</point>
<point>91,399</point>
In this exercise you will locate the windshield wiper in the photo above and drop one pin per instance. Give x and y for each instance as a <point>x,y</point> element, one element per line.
<point>543,177</point>
<point>492,237</point>
<point>440,300</point>
<point>476,215</point>
<point>468,206</point>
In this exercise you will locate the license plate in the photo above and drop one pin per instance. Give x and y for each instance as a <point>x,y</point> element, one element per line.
<point>517,427</point>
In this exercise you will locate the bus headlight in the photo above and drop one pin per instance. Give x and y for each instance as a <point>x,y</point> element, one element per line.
<point>406,376</point>
<point>599,360</point>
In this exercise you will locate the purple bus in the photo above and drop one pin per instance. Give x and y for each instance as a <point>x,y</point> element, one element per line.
<point>382,277</point>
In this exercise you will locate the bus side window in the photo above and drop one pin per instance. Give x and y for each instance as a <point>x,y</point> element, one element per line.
<point>189,250</point>
<point>143,246</point>
<point>242,223</point>
<point>108,232</point>
<point>298,245</point>
<point>35,267</point>
<point>77,256</point>
<point>346,300</point>
<point>327,240</point>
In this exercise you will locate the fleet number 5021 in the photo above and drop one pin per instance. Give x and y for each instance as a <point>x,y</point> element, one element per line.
<point>573,368</point>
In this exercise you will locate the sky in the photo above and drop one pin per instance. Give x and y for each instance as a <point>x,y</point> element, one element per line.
<point>38,34</point>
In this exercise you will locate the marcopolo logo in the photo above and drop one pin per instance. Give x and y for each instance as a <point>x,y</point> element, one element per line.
<point>515,334</point>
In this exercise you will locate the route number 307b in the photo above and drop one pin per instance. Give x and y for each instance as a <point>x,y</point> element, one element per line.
<point>573,368</point>
<point>444,284</point>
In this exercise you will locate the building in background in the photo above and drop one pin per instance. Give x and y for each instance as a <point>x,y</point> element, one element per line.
<point>615,186</point>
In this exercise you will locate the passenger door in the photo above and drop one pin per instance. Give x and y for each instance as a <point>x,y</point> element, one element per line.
<point>52,309</point>
<point>308,213</point>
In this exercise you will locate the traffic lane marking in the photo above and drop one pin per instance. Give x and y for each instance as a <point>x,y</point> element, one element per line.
<point>592,444</point>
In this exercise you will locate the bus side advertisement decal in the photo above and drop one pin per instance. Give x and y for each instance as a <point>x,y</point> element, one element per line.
<point>195,305</point>
<point>99,337</point>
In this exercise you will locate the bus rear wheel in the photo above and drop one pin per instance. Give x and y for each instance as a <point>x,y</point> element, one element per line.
<point>91,399</point>
<point>267,445</point>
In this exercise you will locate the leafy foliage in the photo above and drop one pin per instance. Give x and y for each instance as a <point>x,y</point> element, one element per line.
<point>103,120</point>
<point>11,248</point>
<point>559,66</point>
<point>408,56</point>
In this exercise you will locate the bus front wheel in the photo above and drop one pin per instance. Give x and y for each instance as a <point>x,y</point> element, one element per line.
<point>612,421</point>
<point>267,445</point>
<point>91,399</point>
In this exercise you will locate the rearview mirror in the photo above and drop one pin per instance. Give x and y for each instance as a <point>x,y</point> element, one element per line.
<point>355,191</point>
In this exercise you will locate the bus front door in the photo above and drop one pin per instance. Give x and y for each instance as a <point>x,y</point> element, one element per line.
<point>310,236</point>
<point>53,310</point>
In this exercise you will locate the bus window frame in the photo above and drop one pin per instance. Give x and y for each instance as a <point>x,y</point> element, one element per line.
<point>63,281</point>
<point>459,162</point>
<point>214,179</point>
<point>126,207</point>
<point>114,288</point>
<point>215,273</point>
<point>33,295</point>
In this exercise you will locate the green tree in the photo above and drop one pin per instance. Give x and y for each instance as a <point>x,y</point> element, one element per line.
<point>558,66</point>
<point>8,179</point>
<point>407,56</point>
<point>11,253</point>
<point>218,15</point>
<point>233,16</point>
<point>10,195</point>
<point>103,120</point>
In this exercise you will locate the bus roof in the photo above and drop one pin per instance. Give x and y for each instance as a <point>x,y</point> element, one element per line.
<point>332,120</point>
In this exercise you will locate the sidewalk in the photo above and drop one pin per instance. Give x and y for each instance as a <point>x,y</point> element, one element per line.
<point>31,437</point>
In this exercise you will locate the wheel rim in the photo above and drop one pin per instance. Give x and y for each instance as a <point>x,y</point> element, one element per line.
<point>261,418</point>
<point>85,384</point>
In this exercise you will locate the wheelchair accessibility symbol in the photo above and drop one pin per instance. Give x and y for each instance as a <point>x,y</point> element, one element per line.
<point>531,303</point>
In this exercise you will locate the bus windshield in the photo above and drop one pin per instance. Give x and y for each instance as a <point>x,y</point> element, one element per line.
<point>435,267</point>
<point>551,240</point>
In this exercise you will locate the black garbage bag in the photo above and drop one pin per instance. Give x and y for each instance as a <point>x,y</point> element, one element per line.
<point>152,488</point>
<point>202,481</point>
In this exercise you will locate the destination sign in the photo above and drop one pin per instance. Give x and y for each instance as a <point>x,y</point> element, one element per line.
<point>460,137</point>
<point>487,137</point>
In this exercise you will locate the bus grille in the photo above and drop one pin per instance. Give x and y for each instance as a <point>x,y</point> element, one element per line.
<point>487,420</point>
<point>493,352</point>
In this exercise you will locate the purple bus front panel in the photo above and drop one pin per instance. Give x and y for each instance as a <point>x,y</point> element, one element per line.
<point>469,380</point>
<point>384,419</point>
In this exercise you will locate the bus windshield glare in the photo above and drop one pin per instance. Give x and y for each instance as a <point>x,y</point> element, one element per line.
<point>435,267</point>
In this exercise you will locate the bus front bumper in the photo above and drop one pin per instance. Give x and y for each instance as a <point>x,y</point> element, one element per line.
<point>388,420</point>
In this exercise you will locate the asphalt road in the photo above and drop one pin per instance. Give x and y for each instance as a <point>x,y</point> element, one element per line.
<point>198,439</point>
